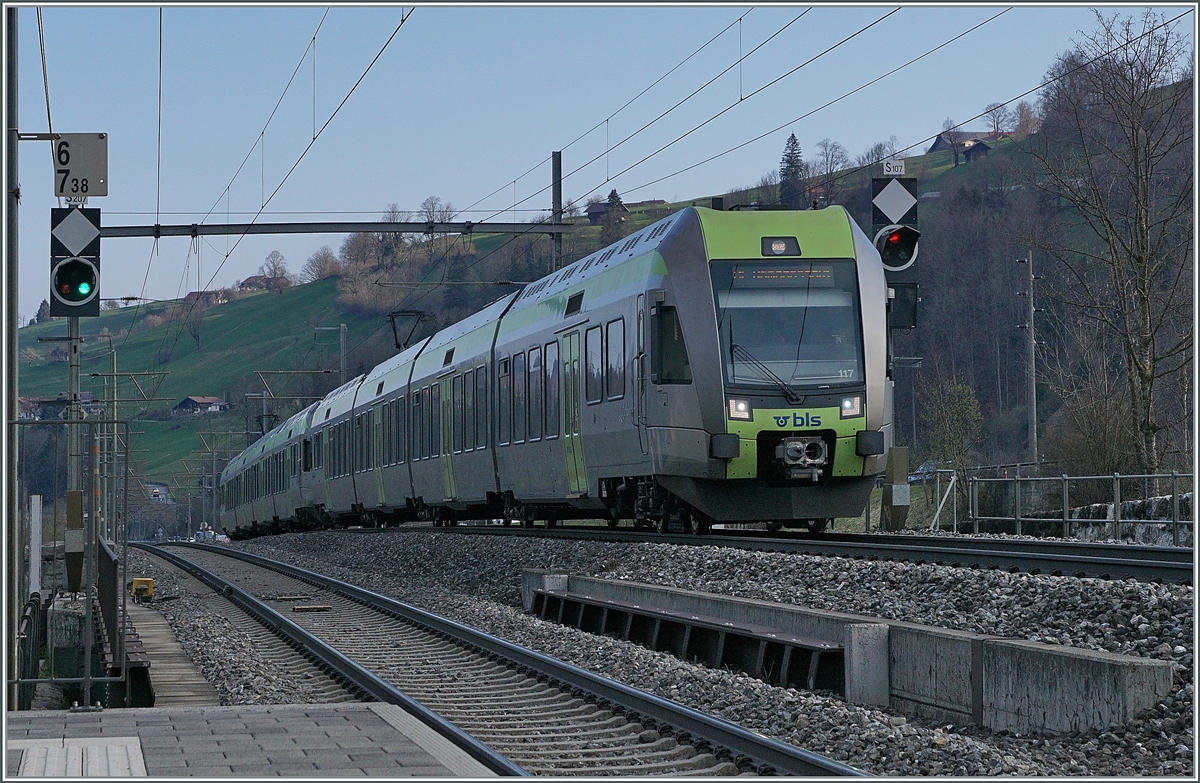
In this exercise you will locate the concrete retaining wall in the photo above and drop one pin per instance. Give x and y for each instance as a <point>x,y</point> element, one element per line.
<point>945,675</point>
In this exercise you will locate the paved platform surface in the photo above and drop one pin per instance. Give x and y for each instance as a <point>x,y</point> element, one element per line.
<point>301,740</point>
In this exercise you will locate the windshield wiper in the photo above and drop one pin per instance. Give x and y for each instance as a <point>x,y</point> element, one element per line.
<point>752,360</point>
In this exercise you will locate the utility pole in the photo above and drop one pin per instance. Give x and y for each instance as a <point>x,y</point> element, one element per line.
<point>12,195</point>
<point>342,333</point>
<point>1033,441</point>
<point>556,190</point>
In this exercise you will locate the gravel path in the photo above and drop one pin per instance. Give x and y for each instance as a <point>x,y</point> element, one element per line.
<point>476,580</point>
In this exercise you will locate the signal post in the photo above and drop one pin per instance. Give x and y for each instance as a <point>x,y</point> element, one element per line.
<point>894,223</point>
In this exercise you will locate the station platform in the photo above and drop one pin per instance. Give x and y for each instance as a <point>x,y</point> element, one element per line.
<point>300,740</point>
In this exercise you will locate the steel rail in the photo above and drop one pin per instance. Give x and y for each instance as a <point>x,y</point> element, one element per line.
<point>324,653</point>
<point>768,755</point>
<point>1085,559</point>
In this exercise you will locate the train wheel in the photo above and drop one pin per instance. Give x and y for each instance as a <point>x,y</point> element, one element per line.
<point>614,522</point>
<point>551,523</point>
<point>506,521</point>
<point>816,525</point>
<point>775,525</point>
<point>703,524</point>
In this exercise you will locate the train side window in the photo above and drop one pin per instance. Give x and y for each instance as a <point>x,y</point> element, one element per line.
<point>594,376</point>
<point>520,411</point>
<point>401,429</point>
<point>669,363</point>
<point>459,411</point>
<point>504,403</point>
<point>358,443</point>
<point>535,394</point>
<point>468,410</point>
<point>415,439</point>
<point>614,345</point>
<point>553,390</point>
<point>481,406</point>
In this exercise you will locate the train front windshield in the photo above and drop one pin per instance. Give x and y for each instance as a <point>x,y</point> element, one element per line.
<point>792,322</point>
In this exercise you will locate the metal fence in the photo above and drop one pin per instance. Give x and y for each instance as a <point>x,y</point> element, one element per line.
<point>31,633</point>
<point>1041,505</point>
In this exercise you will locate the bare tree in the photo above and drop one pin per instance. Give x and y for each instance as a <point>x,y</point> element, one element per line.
<point>361,249</point>
<point>877,153</point>
<point>1115,151</point>
<point>434,211</point>
<point>999,116</point>
<point>393,242</point>
<point>320,265</point>
<point>831,159</point>
<point>273,265</point>
<point>951,136</point>
<point>1025,121</point>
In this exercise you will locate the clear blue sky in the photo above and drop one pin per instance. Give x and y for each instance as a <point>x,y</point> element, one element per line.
<point>464,101</point>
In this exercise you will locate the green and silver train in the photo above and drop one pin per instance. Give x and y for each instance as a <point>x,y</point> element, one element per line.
<point>714,367</point>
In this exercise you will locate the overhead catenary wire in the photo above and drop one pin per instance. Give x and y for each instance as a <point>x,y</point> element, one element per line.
<point>822,106</point>
<point>623,106</point>
<point>404,18</point>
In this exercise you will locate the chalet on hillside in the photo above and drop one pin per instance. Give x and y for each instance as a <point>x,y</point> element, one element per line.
<point>206,298</point>
<point>195,405</point>
<point>254,283</point>
<point>967,141</point>
<point>977,148</point>
<point>597,211</point>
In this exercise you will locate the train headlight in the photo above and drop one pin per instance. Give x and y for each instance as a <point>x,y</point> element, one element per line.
<point>741,410</point>
<point>852,406</point>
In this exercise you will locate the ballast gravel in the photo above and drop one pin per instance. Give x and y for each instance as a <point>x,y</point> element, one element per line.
<point>226,655</point>
<point>476,580</point>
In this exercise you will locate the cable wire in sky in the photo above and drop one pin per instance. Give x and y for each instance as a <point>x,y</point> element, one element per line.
<point>623,106</point>
<point>822,106</point>
<point>403,18</point>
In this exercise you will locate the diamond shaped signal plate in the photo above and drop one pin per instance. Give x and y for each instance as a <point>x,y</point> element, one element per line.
<point>75,232</point>
<point>894,201</point>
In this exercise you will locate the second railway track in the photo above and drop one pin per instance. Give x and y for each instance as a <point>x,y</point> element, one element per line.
<point>1167,565</point>
<point>544,716</point>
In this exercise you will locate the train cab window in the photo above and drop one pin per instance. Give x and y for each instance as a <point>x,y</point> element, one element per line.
<point>552,390</point>
<point>520,409</point>
<point>535,394</point>
<point>594,377</point>
<point>669,362</point>
<point>468,410</point>
<point>481,406</point>
<point>614,350</point>
<point>459,403</point>
<point>504,403</point>
<point>792,321</point>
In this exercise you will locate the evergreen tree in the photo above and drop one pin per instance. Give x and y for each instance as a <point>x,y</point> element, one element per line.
<point>43,313</point>
<point>791,174</point>
<point>613,220</point>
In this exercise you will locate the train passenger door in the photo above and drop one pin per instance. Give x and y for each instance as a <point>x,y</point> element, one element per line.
<point>447,431</point>
<point>639,376</point>
<point>577,483</point>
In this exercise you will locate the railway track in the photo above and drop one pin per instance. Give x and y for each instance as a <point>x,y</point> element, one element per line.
<point>515,710</point>
<point>1168,565</point>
